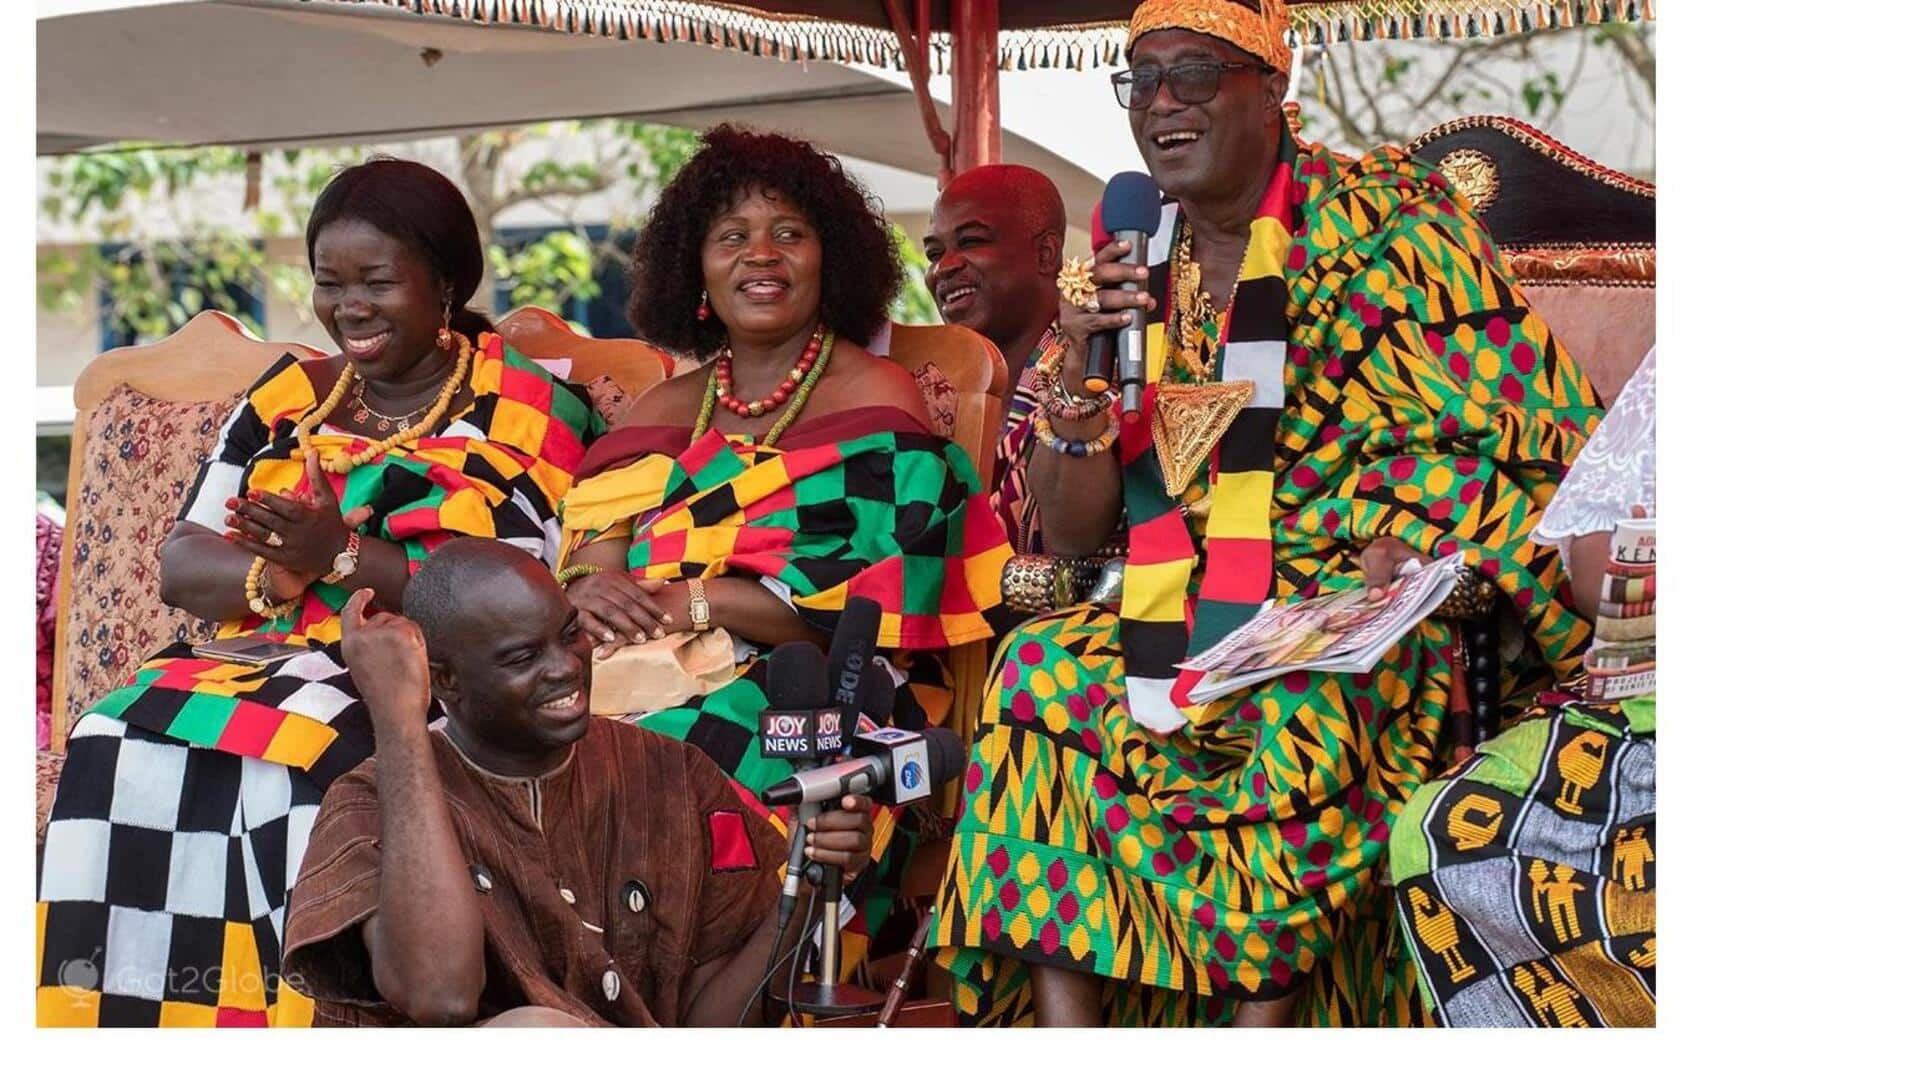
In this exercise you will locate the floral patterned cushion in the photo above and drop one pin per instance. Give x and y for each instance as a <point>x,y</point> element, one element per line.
<point>142,454</point>
<point>46,780</point>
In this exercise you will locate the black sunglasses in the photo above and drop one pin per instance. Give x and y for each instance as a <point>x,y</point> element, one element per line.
<point>1195,82</point>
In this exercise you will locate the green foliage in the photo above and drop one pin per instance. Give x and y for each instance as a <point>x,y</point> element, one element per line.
<point>914,305</point>
<point>151,280</point>
<point>550,272</point>
<point>1537,91</point>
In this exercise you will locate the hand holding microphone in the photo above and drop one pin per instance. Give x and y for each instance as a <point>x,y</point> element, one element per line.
<point>1105,348</point>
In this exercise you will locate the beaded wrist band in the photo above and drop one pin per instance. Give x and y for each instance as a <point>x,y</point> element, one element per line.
<point>1043,431</point>
<point>1062,405</point>
<point>1058,402</point>
<point>257,599</point>
<point>575,572</point>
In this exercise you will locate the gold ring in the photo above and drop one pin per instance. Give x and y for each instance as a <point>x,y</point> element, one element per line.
<point>274,540</point>
<point>1075,282</point>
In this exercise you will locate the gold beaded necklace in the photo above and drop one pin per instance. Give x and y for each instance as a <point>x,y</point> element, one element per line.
<point>340,466</point>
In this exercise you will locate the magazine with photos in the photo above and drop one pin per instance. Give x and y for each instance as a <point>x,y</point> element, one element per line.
<point>1337,631</point>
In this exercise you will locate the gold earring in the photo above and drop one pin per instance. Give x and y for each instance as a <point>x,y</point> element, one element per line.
<point>445,337</point>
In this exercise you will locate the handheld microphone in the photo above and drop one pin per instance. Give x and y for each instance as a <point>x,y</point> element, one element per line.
<point>808,717</point>
<point>876,695</point>
<point>794,726</point>
<point>1130,211</point>
<point>789,730</point>
<point>851,651</point>
<point>893,766</point>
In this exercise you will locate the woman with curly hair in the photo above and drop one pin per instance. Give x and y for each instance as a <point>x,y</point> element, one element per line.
<point>740,505</point>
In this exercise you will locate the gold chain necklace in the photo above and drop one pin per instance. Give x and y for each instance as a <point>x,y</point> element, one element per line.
<point>1196,350</point>
<point>362,411</point>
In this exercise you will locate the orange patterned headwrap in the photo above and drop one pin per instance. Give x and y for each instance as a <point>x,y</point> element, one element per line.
<point>1262,33</point>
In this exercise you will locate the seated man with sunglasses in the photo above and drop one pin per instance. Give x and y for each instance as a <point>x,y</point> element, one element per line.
<point>1341,385</point>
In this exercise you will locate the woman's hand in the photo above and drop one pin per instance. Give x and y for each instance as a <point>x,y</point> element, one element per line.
<point>310,531</point>
<point>1077,324</point>
<point>1381,563</point>
<point>843,837</point>
<point>615,605</point>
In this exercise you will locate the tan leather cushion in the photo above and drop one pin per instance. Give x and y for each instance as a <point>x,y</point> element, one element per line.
<point>1608,329</point>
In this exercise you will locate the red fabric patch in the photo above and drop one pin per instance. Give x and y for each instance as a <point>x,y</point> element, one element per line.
<point>727,837</point>
<point>239,1017</point>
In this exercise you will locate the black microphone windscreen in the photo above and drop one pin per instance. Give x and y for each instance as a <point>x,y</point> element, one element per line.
<point>852,650</point>
<point>796,677</point>
<point>876,694</point>
<point>945,755</point>
<point>1131,204</point>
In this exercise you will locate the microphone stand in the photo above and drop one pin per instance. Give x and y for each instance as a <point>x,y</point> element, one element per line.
<point>825,995</point>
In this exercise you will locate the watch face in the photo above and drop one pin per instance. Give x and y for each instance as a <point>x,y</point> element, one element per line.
<point>344,563</point>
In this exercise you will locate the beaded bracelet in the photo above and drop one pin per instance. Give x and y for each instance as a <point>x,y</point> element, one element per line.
<point>1058,402</point>
<point>575,572</point>
<point>1043,430</point>
<point>257,599</point>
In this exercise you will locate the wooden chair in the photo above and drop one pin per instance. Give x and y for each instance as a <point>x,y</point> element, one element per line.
<point>612,369</point>
<point>1578,236</point>
<point>145,418</point>
<point>964,380</point>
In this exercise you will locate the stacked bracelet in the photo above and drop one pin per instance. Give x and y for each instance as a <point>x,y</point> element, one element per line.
<point>1038,583</point>
<point>575,572</point>
<point>1060,404</point>
<point>1043,430</point>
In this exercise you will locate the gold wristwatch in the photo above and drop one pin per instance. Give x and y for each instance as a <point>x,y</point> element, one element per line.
<point>346,562</point>
<point>697,608</point>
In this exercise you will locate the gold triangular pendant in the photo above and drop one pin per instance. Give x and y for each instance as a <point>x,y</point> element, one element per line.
<point>1187,421</point>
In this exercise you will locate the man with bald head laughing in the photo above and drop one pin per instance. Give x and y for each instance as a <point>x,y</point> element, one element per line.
<point>993,254</point>
<point>529,863</point>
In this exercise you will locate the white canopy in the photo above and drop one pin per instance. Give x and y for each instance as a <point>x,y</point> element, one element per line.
<point>273,73</point>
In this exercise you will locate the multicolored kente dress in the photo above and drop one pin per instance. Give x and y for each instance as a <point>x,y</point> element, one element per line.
<point>1524,876</point>
<point>864,502</point>
<point>187,797</point>
<point>1403,388</point>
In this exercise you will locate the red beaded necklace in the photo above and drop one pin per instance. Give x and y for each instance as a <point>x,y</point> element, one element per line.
<point>723,379</point>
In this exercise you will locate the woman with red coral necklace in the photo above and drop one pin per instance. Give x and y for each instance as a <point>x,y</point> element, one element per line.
<point>750,499</point>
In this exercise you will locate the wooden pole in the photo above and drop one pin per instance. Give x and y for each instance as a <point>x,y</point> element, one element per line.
<point>976,82</point>
<point>914,46</point>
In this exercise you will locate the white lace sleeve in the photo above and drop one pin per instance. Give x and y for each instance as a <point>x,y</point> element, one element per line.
<point>1615,471</point>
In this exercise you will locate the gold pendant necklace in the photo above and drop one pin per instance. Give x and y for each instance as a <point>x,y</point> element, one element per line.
<point>362,411</point>
<point>1189,419</point>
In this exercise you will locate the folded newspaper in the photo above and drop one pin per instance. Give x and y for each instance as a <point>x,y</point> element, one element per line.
<point>1340,631</point>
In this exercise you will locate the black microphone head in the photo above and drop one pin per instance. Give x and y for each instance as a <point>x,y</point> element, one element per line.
<point>1131,204</point>
<point>847,658</point>
<point>876,694</point>
<point>945,755</point>
<point>796,677</point>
